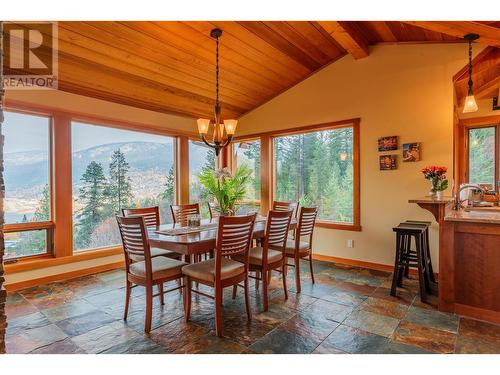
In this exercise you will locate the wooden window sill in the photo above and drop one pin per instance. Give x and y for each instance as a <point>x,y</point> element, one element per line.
<point>332,225</point>
<point>42,262</point>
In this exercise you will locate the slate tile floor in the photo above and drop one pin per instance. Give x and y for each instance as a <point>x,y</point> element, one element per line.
<point>348,310</point>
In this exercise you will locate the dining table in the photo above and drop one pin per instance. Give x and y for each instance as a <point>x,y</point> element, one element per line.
<point>200,239</point>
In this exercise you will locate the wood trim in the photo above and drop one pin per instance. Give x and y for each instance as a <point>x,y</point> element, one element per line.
<point>359,263</point>
<point>354,262</point>
<point>63,276</point>
<point>182,170</point>
<point>62,186</point>
<point>340,226</point>
<point>24,227</point>
<point>477,313</point>
<point>477,121</point>
<point>266,173</point>
<point>306,128</point>
<point>23,265</point>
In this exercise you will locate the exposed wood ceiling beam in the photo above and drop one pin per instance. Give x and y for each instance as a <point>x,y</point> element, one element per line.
<point>347,35</point>
<point>487,34</point>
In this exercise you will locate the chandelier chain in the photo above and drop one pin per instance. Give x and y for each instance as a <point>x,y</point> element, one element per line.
<point>217,70</point>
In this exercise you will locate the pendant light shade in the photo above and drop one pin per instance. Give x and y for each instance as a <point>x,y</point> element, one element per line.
<point>470,104</point>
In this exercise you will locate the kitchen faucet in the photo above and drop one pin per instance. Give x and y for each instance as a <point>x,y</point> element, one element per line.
<point>457,202</point>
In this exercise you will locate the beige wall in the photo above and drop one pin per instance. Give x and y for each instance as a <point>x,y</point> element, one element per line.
<point>83,105</point>
<point>403,90</point>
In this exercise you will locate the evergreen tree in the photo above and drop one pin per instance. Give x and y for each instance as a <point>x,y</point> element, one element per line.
<point>42,212</point>
<point>119,189</point>
<point>209,160</point>
<point>92,195</point>
<point>253,153</point>
<point>166,198</point>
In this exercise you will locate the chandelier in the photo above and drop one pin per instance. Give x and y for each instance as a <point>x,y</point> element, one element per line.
<point>223,131</point>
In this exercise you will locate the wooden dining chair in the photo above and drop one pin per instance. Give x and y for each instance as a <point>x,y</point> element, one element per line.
<point>213,210</point>
<point>180,212</point>
<point>151,217</point>
<point>298,249</point>
<point>234,236</point>
<point>285,206</point>
<point>262,259</point>
<point>148,272</point>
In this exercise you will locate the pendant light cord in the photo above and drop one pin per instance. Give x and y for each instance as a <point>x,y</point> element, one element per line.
<point>470,68</point>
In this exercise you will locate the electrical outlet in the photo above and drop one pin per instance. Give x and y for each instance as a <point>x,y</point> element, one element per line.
<point>350,243</point>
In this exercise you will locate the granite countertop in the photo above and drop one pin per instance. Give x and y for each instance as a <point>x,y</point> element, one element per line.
<point>474,216</point>
<point>429,199</point>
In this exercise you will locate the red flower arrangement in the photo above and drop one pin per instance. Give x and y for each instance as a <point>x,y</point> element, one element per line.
<point>437,176</point>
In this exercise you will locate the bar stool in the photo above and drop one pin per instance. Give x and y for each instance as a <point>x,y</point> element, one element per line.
<point>407,257</point>
<point>427,251</point>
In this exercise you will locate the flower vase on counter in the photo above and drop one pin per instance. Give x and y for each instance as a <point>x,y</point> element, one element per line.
<point>437,176</point>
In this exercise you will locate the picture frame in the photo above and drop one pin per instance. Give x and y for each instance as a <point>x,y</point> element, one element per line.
<point>411,152</point>
<point>387,162</point>
<point>388,143</point>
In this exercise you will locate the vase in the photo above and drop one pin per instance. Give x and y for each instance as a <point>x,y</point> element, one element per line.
<point>439,195</point>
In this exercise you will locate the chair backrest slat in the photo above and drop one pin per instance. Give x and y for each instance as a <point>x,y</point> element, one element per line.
<point>234,235</point>
<point>151,215</point>
<point>277,227</point>
<point>181,212</point>
<point>134,235</point>
<point>307,220</point>
<point>285,206</point>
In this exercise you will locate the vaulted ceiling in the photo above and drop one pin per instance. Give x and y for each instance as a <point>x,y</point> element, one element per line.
<point>170,66</point>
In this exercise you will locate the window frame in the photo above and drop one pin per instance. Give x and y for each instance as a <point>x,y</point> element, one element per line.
<point>47,225</point>
<point>268,166</point>
<point>59,228</point>
<point>465,125</point>
<point>233,164</point>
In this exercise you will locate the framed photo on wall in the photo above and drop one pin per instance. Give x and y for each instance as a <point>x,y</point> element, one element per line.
<point>387,162</point>
<point>388,143</point>
<point>411,152</point>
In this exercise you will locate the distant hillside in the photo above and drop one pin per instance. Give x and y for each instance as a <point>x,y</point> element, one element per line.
<point>26,172</point>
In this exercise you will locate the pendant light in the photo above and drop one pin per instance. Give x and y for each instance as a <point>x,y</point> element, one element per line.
<point>470,102</point>
<point>223,131</point>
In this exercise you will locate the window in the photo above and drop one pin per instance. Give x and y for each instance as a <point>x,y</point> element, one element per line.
<point>27,201</point>
<point>317,168</point>
<point>247,153</point>
<point>115,169</point>
<point>201,157</point>
<point>482,158</point>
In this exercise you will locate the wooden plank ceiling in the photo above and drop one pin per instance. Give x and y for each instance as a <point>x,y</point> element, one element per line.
<point>169,66</point>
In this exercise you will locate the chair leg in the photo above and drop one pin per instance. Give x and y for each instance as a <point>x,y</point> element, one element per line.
<point>297,274</point>
<point>311,266</point>
<point>235,289</point>
<point>149,308</point>
<point>128,290</point>
<point>218,311</point>
<point>283,275</point>
<point>257,277</point>
<point>269,276</point>
<point>187,298</point>
<point>162,297</point>
<point>247,300</point>
<point>265,286</point>
<point>395,274</point>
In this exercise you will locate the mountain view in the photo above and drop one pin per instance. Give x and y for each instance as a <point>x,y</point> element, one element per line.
<point>26,173</point>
